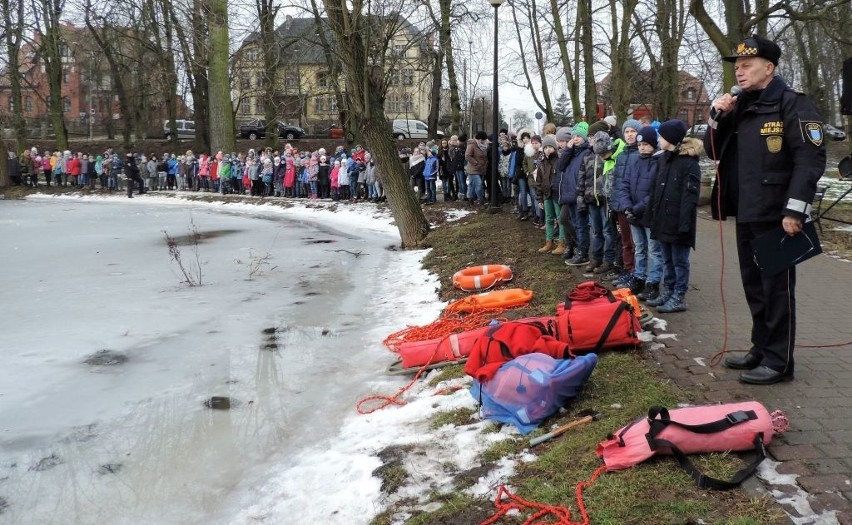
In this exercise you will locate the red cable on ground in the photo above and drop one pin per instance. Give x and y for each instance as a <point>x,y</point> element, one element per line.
<point>718,357</point>
<point>542,510</point>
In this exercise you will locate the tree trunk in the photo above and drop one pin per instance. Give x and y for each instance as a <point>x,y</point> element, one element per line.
<point>266,17</point>
<point>51,10</point>
<point>14,35</point>
<point>591,93</point>
<point>445,32</point>
<point>621,58</point>
<point>221,110</point>
<point>435,94</point>
<point>194,48</point>
<point>365,95</point>
<point>572,87</point>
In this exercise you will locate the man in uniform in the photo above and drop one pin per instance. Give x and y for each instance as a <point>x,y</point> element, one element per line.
<point>769,142</point>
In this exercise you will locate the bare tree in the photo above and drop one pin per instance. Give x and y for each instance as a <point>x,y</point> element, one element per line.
<point>222,127</point>
<point>195,55</point>
<point>47,14</point>
<point>266,13</point>
<point>362,37</point>
<point>529,14</point>
<point>13,20</point>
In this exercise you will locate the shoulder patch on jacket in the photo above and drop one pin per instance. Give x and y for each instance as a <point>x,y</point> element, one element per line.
<point>812,131</point>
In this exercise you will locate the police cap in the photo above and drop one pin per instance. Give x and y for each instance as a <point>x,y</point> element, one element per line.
<point>756,46</point>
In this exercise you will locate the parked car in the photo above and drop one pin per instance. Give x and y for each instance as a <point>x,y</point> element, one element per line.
<point>256,129</point>
<point>185,129</point>
<point>834,133</point>
<point>698,130</point>
<point>411,129</point>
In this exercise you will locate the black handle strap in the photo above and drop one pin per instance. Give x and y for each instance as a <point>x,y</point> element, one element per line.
<point>616,315</point>
<point>659,419</point>
<point>704,481</point>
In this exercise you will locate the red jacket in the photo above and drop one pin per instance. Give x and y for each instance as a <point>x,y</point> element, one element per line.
<point>73,166</point>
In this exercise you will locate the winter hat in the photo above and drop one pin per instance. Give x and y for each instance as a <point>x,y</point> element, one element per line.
<point>631,123</point>
<point>563,134</point>
<point>549,140</point>
<point>600,125</point>
<point>647,134</point>
<point>323,158</point>
<point>611,121</point>
<point>602,143</point>
<point>582,129</point>
<point>673,131</point>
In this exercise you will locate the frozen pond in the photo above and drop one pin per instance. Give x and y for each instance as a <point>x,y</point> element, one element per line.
<point>107,359</point>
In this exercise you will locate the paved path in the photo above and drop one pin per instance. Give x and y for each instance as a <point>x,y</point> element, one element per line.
<point>818,445</point>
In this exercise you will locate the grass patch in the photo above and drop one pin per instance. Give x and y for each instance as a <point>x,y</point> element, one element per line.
<point>447,373</point>
<point>458,417</point>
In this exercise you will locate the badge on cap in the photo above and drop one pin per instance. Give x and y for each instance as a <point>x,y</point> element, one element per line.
<point>812,131</point>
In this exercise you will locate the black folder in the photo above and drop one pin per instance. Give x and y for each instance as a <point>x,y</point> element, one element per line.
<point>775,251</point>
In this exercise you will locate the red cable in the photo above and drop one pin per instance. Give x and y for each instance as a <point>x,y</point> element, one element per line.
<point>542,510</point>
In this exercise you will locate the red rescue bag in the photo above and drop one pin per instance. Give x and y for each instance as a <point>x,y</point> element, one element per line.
<point>692,430</point>
<point>503,342</point>
<point>592,319</point>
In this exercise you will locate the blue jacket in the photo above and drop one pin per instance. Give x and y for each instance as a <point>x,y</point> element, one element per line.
<point>637,186</point>
<point>430,170</point>
<point>568,187</point>
<point>625,164</point>
<point>565,155</point>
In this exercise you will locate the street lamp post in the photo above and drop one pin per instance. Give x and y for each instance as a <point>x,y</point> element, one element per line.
<point>495,107</point>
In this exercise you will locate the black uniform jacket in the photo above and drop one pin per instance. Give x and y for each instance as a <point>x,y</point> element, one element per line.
<point>771,154</point>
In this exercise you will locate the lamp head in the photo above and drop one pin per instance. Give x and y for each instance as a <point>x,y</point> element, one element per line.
<point>496,3</point>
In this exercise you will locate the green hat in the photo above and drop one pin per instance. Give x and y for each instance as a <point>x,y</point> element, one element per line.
<point>582,129</point>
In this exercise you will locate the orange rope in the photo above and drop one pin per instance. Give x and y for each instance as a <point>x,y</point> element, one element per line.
<point>390,400</point>
<point>445,325</point>
<point>542,510</point>
<point>442,327</point>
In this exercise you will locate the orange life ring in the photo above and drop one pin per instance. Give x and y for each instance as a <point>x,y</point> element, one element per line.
<point>481,277</point>
<point>497,299</point>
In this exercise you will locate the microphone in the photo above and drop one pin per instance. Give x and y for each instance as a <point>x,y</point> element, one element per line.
<point>735,90</point>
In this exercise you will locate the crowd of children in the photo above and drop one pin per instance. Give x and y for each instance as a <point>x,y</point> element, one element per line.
<point>282,173</point>
<point>622,203</point>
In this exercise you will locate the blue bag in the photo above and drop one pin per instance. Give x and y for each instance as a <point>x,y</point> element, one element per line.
<point>529,388</point>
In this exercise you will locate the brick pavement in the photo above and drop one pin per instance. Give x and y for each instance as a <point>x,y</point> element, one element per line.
<point>818,445</point>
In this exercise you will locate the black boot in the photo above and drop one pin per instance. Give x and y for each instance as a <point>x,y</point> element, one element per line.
<point>651,291</point>
<point>636,285</point>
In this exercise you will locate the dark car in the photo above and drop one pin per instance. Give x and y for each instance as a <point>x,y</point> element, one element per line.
<point>256,129</point>
<point>834,133</point>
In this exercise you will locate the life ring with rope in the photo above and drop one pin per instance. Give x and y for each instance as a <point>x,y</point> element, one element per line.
<point>481,277</point>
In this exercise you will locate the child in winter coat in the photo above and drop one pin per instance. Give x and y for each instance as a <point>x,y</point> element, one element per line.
<point>592,188</point>
<point>635,195</point>
<point>334,178</point>
<point>545,173</point>
<point>430,176</point>
<point>568,193</point>
<point>673,208</point>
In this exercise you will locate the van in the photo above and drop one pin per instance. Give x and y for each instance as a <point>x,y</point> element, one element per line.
<point>185,129</point>
<point>412,129</point>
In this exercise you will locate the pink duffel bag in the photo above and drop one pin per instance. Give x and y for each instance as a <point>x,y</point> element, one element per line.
<point>734,427</point>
